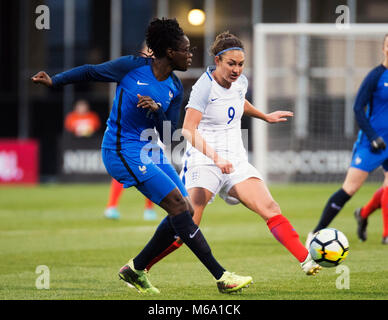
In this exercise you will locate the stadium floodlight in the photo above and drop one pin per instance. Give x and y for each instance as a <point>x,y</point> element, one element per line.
<point>314,70</point>
<point>196,17</point>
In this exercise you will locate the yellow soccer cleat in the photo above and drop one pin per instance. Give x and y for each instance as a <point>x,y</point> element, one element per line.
<point>231,282</point>
<point>137,279</point>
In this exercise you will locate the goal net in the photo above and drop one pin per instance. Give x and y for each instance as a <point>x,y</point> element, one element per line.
<point>315,71</point>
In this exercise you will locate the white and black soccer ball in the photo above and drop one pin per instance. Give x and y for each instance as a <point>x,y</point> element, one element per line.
<point>228,199</point>
<point>329,247</point>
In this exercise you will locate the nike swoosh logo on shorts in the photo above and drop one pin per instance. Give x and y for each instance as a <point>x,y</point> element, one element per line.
<point>193,235</point>
<point>142,83</point>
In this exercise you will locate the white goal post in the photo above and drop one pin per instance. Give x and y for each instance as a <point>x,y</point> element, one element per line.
<point>323,65</point>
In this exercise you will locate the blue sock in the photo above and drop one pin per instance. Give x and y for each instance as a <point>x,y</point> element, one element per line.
<point>332,208</point>
<point>192,236</point>
<point>162,239</point>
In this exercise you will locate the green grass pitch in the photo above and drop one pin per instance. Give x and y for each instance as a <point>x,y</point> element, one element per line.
<point>62,227</point>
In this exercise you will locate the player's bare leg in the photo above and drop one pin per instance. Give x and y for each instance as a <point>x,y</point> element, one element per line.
<point>254,194</point>
<point>200,197</point>
<point>355,178</point>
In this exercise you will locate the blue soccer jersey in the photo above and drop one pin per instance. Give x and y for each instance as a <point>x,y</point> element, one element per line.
<point>133,76</point>
<point>125,150</point>
<point>372,95</point>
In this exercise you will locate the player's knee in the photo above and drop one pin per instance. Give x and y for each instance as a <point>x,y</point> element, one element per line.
<point>179,207</point>
<point>274,207</point>
<point>354,180</point>
<point>351,189</point>
<point>176,204</point>
<point>270,210</point>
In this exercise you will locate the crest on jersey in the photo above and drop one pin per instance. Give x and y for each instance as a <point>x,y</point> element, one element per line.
<point>143,169</point>
<point>195,175</point>
<point>171,94</point>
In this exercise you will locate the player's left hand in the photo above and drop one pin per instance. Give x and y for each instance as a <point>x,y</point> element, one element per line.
<point>146,102</point>
<point>278,116</point>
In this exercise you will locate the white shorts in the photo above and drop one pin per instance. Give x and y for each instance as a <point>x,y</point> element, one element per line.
<point>211,178</point>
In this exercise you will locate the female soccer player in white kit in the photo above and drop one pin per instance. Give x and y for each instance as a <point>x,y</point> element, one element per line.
<point>216,160</point>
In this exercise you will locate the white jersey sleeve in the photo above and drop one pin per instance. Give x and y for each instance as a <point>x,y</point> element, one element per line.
<point>199,96</point>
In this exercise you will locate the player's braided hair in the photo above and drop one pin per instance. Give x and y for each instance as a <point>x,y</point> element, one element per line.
<point>225,40</point>
<point>163,34</point>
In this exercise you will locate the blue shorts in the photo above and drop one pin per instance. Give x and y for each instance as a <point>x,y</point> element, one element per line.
<point>154,180</point>
<point>364,159</point>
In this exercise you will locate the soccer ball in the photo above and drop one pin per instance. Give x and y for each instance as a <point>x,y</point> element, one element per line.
<point>329,247</point>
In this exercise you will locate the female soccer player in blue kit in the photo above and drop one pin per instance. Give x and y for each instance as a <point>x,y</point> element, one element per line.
<point>369,151</point>
<point>148,92</point>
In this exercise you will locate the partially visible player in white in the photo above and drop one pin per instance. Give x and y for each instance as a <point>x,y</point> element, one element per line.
<point>216,161</point>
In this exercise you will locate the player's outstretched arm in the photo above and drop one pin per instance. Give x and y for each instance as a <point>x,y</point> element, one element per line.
<point>278,116</point>
<point>273,117</point>
<point>42,78</point>
<point>111,71</point>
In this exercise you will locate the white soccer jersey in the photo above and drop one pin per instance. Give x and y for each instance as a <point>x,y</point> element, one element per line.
<point>220,125</point>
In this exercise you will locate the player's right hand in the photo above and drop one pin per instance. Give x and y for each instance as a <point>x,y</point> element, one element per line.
<point>146,102</point>
<point>42,78</point>
<point>224,165</point>
<point>378,144</point>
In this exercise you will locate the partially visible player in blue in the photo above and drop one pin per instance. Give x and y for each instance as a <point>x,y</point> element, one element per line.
<point>369,151</point>
<point>148,92</point>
